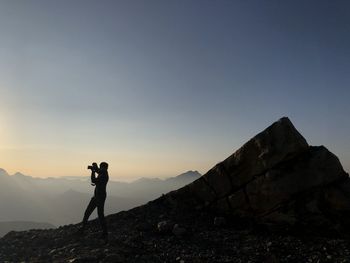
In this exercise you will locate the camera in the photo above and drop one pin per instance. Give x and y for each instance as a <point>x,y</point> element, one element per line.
<point>93,167</point>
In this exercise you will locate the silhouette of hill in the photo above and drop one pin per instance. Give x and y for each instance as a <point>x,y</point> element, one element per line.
<point>6,227</point>
<point>242,210</point>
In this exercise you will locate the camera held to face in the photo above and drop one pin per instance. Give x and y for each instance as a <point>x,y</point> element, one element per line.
<point>93,167</point>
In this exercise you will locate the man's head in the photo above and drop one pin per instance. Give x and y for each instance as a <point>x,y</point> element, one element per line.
<point>104,166</point>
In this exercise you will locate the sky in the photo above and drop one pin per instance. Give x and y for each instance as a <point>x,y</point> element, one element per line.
<point>156,88</point>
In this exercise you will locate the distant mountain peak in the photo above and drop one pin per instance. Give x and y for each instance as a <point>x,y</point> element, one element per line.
<point>3,172</point>
<point>190,172</point>
<point>18,174</point>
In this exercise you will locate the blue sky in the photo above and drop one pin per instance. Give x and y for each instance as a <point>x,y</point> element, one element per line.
<point>160,87</point>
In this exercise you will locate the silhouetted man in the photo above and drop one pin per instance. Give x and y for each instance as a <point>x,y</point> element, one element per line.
<point>100,194</point>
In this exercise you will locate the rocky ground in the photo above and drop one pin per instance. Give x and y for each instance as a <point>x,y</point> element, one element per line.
<point>149,234</point>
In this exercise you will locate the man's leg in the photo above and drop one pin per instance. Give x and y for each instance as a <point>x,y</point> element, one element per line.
<point>89,209</point>
<point>101,216</point>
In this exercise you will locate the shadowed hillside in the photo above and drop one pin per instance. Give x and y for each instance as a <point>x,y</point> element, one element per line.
<point>276,199</point>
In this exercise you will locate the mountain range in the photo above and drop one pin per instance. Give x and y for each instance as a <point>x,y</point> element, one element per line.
<point>62,200</point>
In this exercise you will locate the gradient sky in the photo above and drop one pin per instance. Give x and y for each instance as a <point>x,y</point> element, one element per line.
<point>160,87</point>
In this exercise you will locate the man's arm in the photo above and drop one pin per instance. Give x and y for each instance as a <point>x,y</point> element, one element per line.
<point>93,177</point>
<point>93,173</point>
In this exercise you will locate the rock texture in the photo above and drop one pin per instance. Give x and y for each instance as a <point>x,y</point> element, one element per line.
<point>276,181</point>
<point>275,177</point>
<point>134,238</point>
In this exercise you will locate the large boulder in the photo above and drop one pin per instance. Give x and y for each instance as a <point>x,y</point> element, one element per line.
<point>275,177</point>
<point>279,142</point>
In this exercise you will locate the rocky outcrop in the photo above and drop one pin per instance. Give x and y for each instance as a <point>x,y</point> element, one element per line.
<point>275,177</point>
